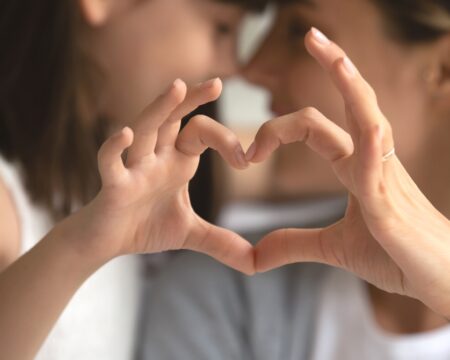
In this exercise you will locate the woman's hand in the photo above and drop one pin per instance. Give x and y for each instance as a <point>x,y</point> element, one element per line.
<point>144,206</point>
<point>391,235</point>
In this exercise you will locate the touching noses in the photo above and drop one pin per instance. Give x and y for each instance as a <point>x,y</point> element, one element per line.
<point>262,69</point>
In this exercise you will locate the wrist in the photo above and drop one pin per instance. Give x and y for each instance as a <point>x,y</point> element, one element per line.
<point>78,242</point>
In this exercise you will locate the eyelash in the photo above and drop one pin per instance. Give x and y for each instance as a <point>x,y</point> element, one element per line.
<point>223,29</point>
<point>296,31</point>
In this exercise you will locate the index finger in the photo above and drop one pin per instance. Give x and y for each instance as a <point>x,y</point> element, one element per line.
<point>195,97</point>
<point>307,125</point>
<point>202,132</point>
<point>359,96</point>
<point>153,116</point>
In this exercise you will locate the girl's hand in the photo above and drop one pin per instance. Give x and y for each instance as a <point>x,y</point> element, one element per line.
<point>144,206</point>
<point>391,235</point>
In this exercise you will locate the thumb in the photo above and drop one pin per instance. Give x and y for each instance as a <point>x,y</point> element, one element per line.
<point>110,162</point>
<point>202,132</point>
<point>223,245</point>
<point>288,246</point>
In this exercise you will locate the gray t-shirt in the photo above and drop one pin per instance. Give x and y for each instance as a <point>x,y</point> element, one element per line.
<point>199,309</point>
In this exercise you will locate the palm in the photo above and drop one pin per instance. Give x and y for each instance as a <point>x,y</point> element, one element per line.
<point>391,235</point>
<point>356,250</point>
<point>144,204</point>
<point>156,205</point>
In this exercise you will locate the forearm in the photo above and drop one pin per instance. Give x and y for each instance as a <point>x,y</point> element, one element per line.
<point>36,288</point>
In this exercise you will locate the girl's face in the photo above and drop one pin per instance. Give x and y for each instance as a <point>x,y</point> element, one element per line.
<point>146,44</point>
<point>295,80</point>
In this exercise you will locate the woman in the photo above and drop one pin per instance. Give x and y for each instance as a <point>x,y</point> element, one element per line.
<point>72,72</point>
<point>390,236</point>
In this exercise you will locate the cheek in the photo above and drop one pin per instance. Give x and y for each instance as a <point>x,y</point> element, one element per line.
<point>176,54</point>
<point>402,100</point>
<point>308,85</point>
<point>191,57</point>
<point>142,60</point>
<point>405,110</point>
<point>302,85</point>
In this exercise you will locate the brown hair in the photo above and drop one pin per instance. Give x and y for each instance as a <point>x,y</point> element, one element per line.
<point>415,21</point>
<point>408,21</point>
<point>45,103</point>
<point>254,5</point>
<point>48,117</point>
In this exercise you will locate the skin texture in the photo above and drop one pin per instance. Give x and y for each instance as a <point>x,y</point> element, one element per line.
<point>412,90</point>
<point>137,45</point>
<point>386,209</point>
<point>141,43</point>
<point>141,196</point>
<point>141,208</point>
<point>396,72</point>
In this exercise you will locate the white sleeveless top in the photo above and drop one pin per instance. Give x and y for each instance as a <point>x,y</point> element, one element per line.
<point>346,329</point>
<point>100,322</point>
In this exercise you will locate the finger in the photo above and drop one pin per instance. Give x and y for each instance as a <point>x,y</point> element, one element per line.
<point>372,133</point>
<point>358,95</point>
<point>196,96</point>
<point>369,173</point>
<point>223,245</point>
<point>110,162</point>
<point>288,246</point>
<point>148,123</point>
<point>308,125</point>
<point>202,132</point>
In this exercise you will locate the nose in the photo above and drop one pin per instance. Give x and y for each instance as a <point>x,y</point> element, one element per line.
<point>264,67</point>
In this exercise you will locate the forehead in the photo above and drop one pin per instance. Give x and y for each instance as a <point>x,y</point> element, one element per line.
<point>336,7</point>
<point>333,15</point>
<point>253,5</point>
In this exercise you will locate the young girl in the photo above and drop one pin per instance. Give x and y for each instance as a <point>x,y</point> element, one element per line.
<point>391,235</point>
<point>71,73</point>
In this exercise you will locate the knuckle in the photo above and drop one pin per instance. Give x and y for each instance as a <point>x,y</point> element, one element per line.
<point>370,92</point>
<point>389,133</point>
<point>198,120</point>
<point>310,112</point>
<point>99,157</point>
<point>382,190</point>
<point>230,139</point>
<point>369,132</point>
<point>267,128</point>
<point>335,66</point>
<point>102,151</point>
<point>373,130</point>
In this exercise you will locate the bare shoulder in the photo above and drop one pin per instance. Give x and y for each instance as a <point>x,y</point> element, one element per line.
<point>9,228</point>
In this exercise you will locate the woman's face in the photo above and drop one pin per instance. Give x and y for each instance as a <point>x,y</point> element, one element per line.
<point>146,45</point>
<point>295,80</point>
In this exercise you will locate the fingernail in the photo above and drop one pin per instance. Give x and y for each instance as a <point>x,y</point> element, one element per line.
<point>240,156</point>
<point>320,37</point>
<point>177,82</point>
<point>251,152</point>
<point>209,83</point>
<point>349,66</point>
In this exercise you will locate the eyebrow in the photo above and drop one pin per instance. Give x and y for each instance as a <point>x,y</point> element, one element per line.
<point>309,3</point>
